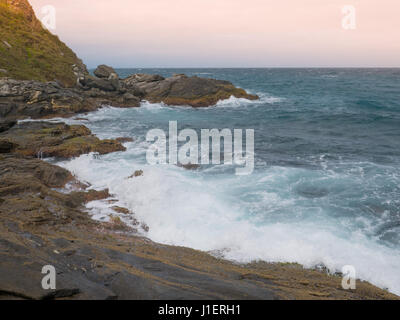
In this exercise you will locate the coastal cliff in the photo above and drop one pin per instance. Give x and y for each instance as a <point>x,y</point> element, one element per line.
<point>30,52</point>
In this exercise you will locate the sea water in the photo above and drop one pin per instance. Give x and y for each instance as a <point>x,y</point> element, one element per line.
<point>325,190</point>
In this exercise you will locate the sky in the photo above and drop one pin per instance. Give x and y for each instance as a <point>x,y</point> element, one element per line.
<point>229,33</point>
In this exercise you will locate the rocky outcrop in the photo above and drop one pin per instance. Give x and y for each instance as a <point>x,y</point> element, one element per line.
<point>43,139</point>
<point>20,99</point>
<point>39,100</point>
<point>182,90</point>
<point>32,99</point>
<point>105,72</point>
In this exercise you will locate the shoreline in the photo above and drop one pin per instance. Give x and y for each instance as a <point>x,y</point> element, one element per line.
<point>90,253</point>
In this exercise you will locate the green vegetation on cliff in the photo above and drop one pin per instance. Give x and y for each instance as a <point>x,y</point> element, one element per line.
<point>28,51</point>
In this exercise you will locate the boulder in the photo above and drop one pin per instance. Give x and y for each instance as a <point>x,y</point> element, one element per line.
<point>103,71</point>
<point>101,84</point>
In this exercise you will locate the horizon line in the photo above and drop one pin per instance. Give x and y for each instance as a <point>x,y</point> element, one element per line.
<point>335,67</point>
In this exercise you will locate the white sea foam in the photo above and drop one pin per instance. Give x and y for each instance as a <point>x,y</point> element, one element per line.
<point>233,102</point>
<point>186,208</point>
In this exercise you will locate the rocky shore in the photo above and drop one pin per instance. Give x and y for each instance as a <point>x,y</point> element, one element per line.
<point>21,99</point>
<point>42,224</point>
<point>43,217</point>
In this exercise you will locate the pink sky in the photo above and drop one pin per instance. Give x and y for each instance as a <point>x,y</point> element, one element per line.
<point>228,33</point>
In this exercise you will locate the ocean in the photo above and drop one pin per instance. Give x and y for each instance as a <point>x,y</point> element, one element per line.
<point>325,191</point>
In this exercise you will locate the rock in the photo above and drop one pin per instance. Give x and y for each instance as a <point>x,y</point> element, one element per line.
<point>21,99</point>
<point>3,71</point>
<point>93,195</point>
<point>102,84</point>
<point>7,44</point>
<point>49,175</point>
<point>141,77</point>
<point>6,146</point>
<point>33,99</point>
<point>137,173</point>
<point>121,210</point>
<point>124,139</point>
<point>182,90</point>
<point>44,139</point>
<point>104,71</point>
<point>189,166</point>
<point>113,76</point>
<point>116,224</point>
<point>5,125</point>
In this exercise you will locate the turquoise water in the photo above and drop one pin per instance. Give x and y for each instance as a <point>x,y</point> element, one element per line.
<point>326,184</point>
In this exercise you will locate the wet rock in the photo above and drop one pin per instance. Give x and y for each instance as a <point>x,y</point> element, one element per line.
<point>189,166</point>
<point>124,139</point>
<point>137,173</point>
<point>44,139</point>
<point>116,224</point>
<point>121,210</point>
<point>93,195</point>
<point>312,192</point>
<point>182,90</point>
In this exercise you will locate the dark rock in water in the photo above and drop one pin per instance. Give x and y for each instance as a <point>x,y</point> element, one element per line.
<point>189,166</point>
<point>312,192</point>
<point>104,71</point>
<point>182,90</point>
<point>137,173</point>
<point>121,210</point>
<point>44,139</point>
